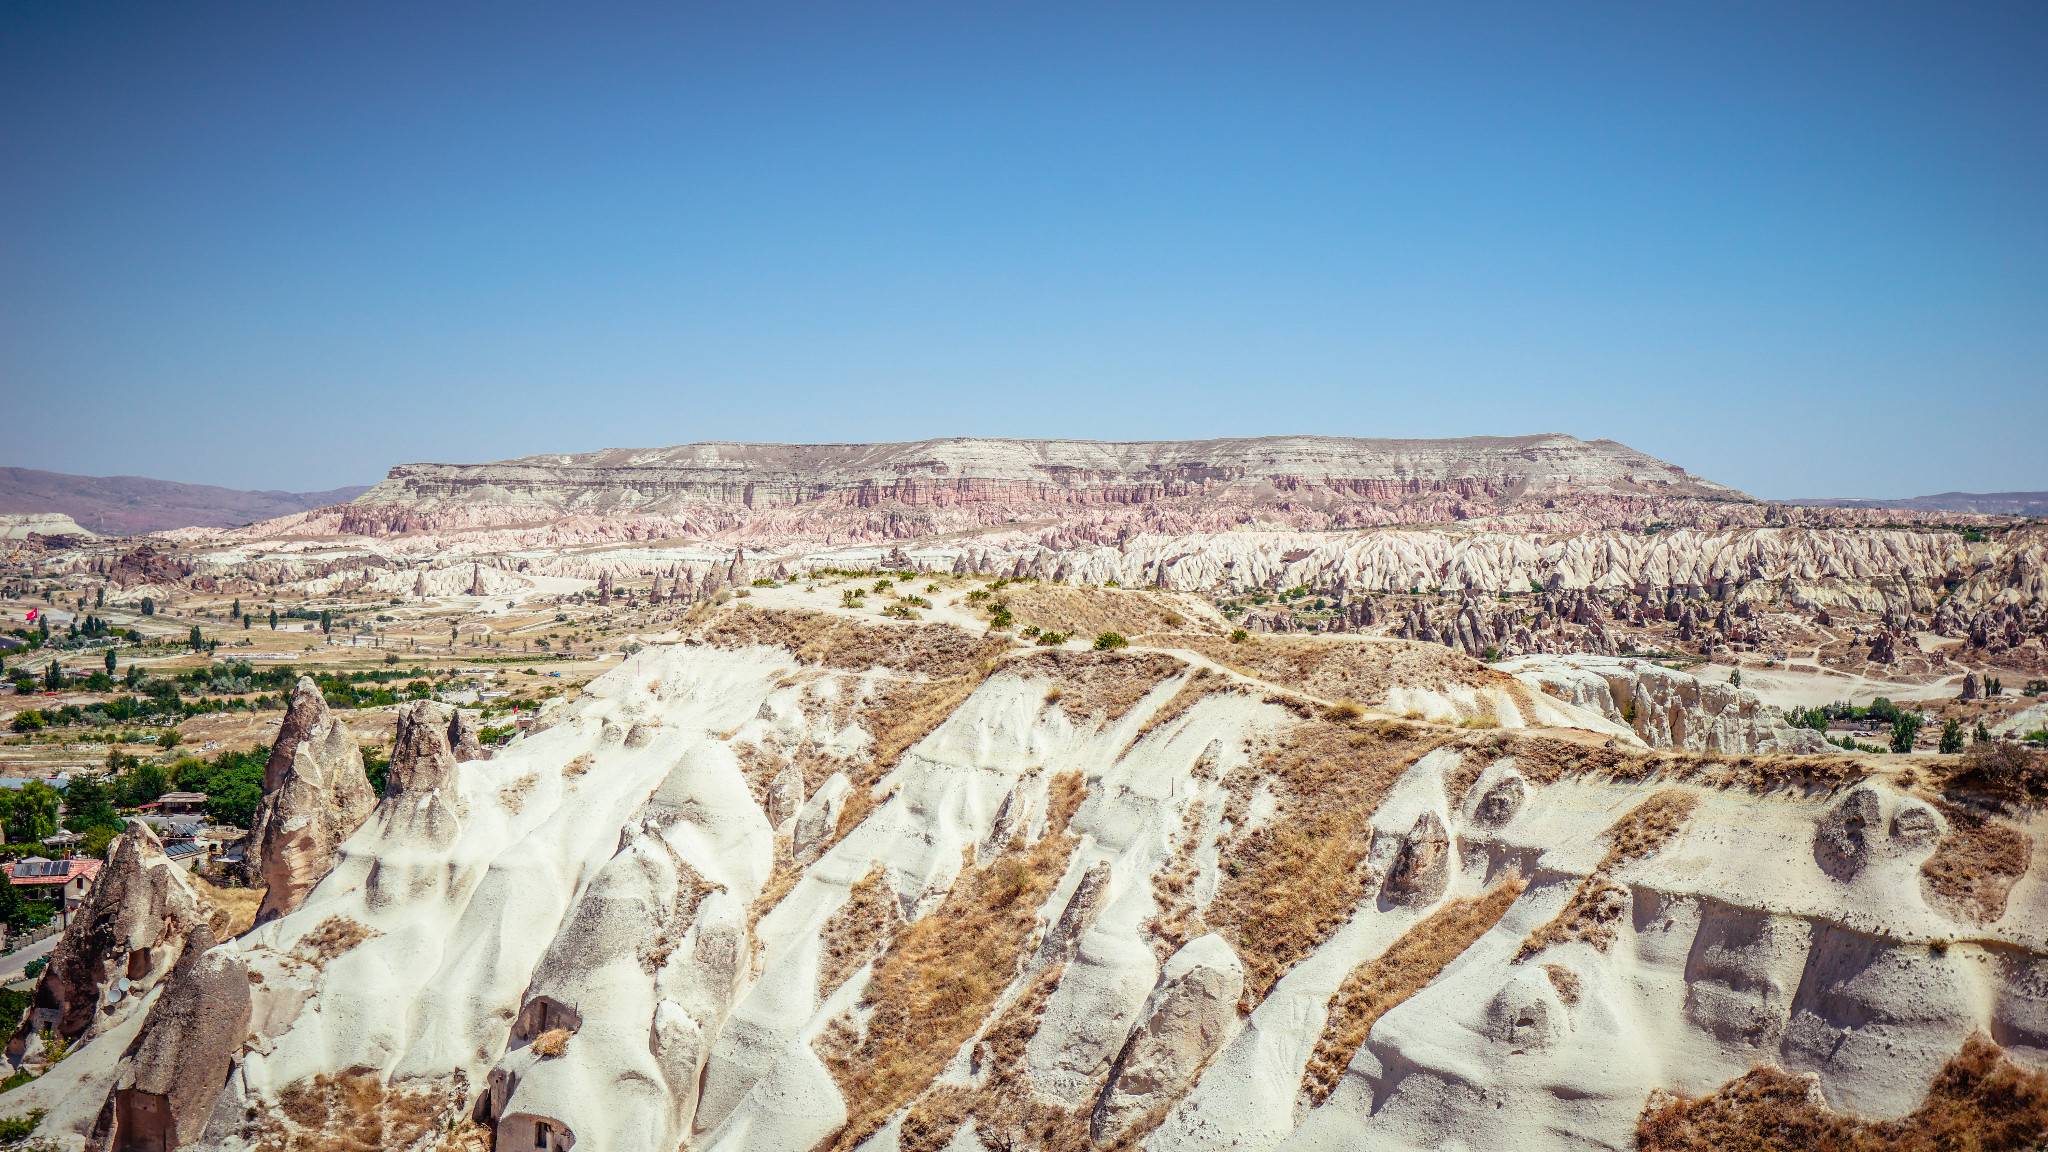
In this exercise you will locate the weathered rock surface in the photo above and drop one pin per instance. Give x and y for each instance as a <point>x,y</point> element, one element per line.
<point>133,926</point>
<point>1185,1020</point>
<point>168,1081</point>
<point>1667,709</point>
<point>315,795</point>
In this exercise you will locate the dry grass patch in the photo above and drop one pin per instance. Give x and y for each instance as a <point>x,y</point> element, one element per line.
<point>935,983</point>
<point>907,711</point>
<point>1098,682</point>
<point>334,936</point>
<point>834,641</point>
<point>1202,683</point>
<point>1288,886</point>
<point>1592,911</point>
<point>1980,1102</point>
<point>860,929</point>
<point>513,794</point>
<point>1092,611</point>
<point>357,1113</point>
<point>1334,669</point>
<point>1377,986</point>
<point>1005,1110</point>
<point>552,1042</point>
<point>231,911</point>
<point>578,766</point>
<point>759,766</point>
<point>1179,920</point>
<point>1976,864</point>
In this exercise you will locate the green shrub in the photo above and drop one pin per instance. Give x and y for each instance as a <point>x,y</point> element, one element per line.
<point>1239,636</point>
<point>20,1127</point>
<point>1904,729</point>
<point>1108,641</point>
<point>1952,737</point>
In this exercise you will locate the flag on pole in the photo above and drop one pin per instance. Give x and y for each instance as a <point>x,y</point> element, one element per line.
<point>32,614</point>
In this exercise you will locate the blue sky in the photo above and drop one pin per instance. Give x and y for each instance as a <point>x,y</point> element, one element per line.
<point>1799,249</point>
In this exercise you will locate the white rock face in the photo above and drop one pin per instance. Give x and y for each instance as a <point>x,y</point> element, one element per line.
<point>599,929</point>
<point>1667,709</point>
<point>22,525</point>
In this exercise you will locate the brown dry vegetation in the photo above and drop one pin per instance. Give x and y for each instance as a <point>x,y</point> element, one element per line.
<point>758,767</point>
<point>1546,758</point>
<point>577,767</point>
<point>513,794</point>
<point>359,1113</point>
<point>2003,769</point>
<point>1976,864</point>
<point>1379,985</point>
<point>1179,920</point>
<point>906,712</point>
<point>231,911</point>
<point>934,984</point>
<point>1092,682</point>
<point>1292,883</point>
<point>859,929</point>
<point>1334,669</point>
<point>1981,1102</point>
<point>1089,612</point>
<point>1591,912</point>
<point>834,641</point>
<point>1202,683</point>
<point>333,936</point>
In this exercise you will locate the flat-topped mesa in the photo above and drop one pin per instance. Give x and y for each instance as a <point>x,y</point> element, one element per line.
<point>963,470</point>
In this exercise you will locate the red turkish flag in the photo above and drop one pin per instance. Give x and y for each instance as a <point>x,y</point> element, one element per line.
<point>32,615</point>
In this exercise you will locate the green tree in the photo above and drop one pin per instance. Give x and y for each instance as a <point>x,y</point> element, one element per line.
<point>110,661</point>
<point>245,621</point>
<point>53,677</point>
<point>1735,678</point>
<point>88,806</point>
<point>1904,728</point>
<point>195,641</point>
<point>142,784</point>
<point>326,621</point>
<point>237,609</point>
<point>31,812</point>
<point>148,606</point>
<point>1952,736</point>
<point>273,619</point>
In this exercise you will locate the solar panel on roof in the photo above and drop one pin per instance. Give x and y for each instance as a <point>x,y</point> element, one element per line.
<point>36,869</point>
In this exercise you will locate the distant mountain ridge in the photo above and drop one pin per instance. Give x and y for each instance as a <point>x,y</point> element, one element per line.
<point>127,505</point>
<point>1980,503</point>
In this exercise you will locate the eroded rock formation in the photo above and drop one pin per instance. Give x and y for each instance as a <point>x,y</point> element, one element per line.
<point>315,795</point>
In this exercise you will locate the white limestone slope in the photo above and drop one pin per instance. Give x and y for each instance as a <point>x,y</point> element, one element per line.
<point>574,933</point>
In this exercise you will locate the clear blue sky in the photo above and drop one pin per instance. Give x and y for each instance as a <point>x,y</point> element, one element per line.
<point>1799,249</point>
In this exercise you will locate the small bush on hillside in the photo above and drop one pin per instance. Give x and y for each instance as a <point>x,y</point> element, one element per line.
<point>1108,641</point>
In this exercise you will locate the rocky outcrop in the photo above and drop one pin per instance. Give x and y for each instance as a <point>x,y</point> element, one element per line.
<point>1185,1020</point>
<point>1667,709</point>
<point>315,795</point>
<point>133,926</point>
<point>167,1082</point>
